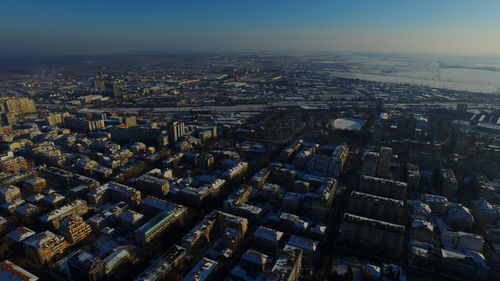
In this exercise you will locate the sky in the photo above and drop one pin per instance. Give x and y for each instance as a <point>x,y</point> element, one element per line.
<point>108,26</point>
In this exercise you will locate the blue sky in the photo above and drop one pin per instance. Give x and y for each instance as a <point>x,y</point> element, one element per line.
<point>423,26</point>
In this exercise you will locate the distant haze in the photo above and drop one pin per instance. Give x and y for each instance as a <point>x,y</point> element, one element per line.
<point>424,26</point>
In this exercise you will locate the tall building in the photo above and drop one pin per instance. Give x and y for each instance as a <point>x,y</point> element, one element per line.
<point>384,162</point>
<point>380,105</point>
<point>8,119</point>
<point>373,236</point>
<point>99,85</point>
<point>406,126</point>
<point>113,89</point>
<point>462,107</point>
<point>206,161</point>
<point>413,176</point>
<point>130,121</point>
<point>449,184</point>
<point>484,188</point>
<point>26,105</point>
<point>376,207</point>
<point>383,187</point>
<point>370,164</point>
<point>340,156</point>
<point>176,130</point>
<point>83,124</point>
<point>55,119</point>
<point>19,106</point>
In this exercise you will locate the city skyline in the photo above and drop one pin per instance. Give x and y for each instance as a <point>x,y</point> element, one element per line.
<point>277,140</point>
<point>446,27</point>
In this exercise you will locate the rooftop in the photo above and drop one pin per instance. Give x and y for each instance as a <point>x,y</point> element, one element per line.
<point>21,233</point>
<point>303,243</point>
<point>13,272</point>
<point>202,270</point>
<point>268,233</point>
<point>374,223</point>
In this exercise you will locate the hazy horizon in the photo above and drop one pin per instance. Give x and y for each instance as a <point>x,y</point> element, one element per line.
<point>447,27</point>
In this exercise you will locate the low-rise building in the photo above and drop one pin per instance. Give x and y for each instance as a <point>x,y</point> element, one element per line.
<point>326,165</point>
<point>115,192</point>
<point>164,265</point>
<point>11,271</point>
<point>130,219</point>
<point>77,207</point>
<point>14,164</point>
<point>422,230</point>
<point>160,223</point>
<point>468,264</point>
<point>267,238</point>
<point>236,171</point>
<point>85,266</point>
<point>460,217</point>
<point>43,247</point>
<point>108,216</point>
<point>10,194</point>
<point>152,183</point>
<point>117,259</point>
<point>260,178</point>
<point>74,228</point>
<point>197,196</point>
<point>214,223</point>
<point>34,185</point>
<point>204,270</point>
<point>288,265</point>
<point>19,234</point>
<point>309,249</point>
<point>27,210</point>
<point>438,204</point>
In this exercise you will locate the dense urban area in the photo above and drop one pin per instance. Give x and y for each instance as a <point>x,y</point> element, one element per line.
<point>242,167</point>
